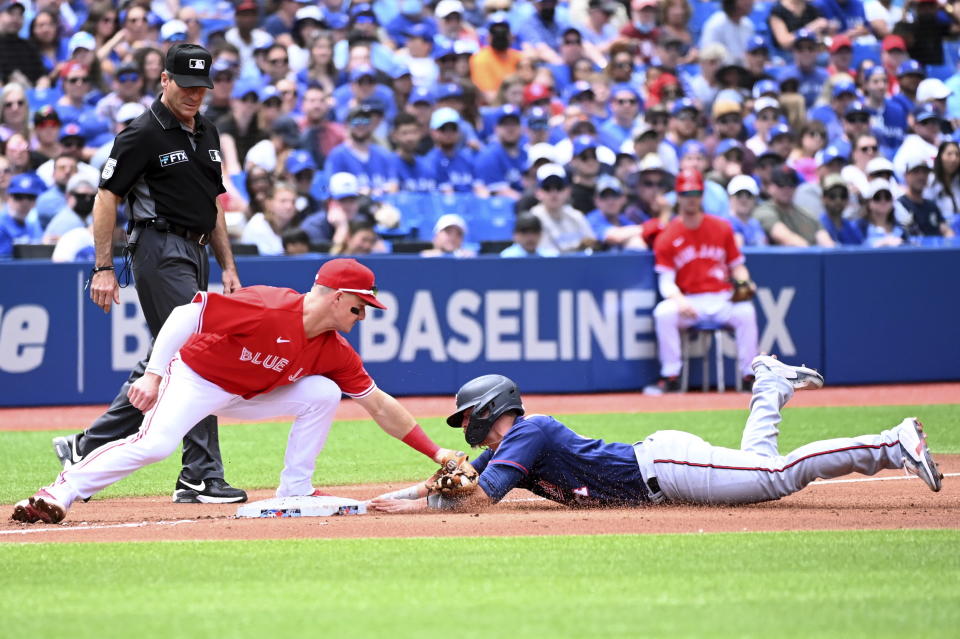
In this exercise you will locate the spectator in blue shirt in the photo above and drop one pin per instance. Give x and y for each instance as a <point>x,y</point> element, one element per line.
<point>411,14</point>
<point>836,196</point>
<point>811,76</point>
<point>22,195</point>
<point>848,16</point>
<point>541,32</point>
<point>571,51</point>
<point>414,173</point>
<point>843,93</point>
<point>612,228</point>
<point>909,75</point>
<point>452,164</point>
<point>281,21</point>
<point>371,164</point>
<point>527,231</point>
<point>626,106</point>
<point>500,165</point>
<point>887,117</point>
<point>743,192</point>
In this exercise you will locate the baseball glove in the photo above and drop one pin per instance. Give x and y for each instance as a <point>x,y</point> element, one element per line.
<point>456,478</point>
<point>743,290</point>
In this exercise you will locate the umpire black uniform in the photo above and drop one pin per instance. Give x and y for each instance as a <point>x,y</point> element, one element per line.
<point>169,174</point>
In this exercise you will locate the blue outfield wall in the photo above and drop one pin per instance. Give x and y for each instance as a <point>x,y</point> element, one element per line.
<point>572,324</point>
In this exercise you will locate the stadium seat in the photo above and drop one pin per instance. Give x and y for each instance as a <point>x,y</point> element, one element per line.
<point>491,219</point>
<point>414,208</point>
<point>442,203</point>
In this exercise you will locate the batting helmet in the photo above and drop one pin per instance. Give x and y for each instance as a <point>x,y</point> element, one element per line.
<point>490,396</point>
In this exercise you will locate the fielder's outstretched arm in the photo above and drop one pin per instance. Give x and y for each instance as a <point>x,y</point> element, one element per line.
<point>397,421</point>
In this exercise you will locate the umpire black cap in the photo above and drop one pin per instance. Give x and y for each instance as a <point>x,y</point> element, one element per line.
<point>189,65</point>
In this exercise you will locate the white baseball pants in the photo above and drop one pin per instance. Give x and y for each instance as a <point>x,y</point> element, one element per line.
<point>688,469</point>
<point>184,399</point>
<point>741,316</point>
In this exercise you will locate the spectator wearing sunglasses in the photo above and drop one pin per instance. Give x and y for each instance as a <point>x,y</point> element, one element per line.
<point>611,227</point>
<point>864,149</point>
<point>923,142</point>
<point>625,107</point>
<point>127,87</point>
<point>15,225</point>
<point>565,229</point>
<point>878,223</point>
<point>836,198</point>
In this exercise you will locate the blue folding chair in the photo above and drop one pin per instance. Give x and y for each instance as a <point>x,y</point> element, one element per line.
<point>416,209</point>
<point>443,203</point>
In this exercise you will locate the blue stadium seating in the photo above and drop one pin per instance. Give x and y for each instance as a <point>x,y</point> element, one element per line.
<point>490,219</point>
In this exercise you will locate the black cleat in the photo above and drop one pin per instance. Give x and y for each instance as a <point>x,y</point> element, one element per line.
<point>207,491</point>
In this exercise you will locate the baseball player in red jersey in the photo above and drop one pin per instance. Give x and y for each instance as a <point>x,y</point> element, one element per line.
<point>261,352</point>
<point>695,257</point>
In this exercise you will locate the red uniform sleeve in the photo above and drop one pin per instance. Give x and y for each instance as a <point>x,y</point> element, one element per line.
<point>342,364</point>
<point>664,252</point>
<point>236,314</point>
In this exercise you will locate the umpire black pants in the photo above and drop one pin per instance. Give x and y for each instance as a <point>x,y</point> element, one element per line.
<point>168,271</point>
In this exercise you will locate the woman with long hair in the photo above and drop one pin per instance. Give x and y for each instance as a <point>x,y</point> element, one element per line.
<point>150,61</point>
<point>878,223</point>
<point>813,137</point>
<point>320,68</point>
<point>46,34</point>
<point>102,22</point>
<point>944,188</point>
<point>675,20</point>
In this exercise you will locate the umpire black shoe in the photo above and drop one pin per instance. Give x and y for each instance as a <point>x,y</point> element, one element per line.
<point>65,449</point>
<point>213,490</point>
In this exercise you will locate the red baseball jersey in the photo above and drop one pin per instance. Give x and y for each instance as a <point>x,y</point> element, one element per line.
<point>253,341</point>
<point>700,257</point>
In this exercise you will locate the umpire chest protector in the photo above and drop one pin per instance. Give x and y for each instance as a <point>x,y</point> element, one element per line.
<point>164,171</point>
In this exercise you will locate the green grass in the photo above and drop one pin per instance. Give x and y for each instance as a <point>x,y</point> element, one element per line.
<point>823,584</point>
<point>358,451</point>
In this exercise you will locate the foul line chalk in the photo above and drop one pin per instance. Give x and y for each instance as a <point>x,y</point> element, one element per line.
<point>140,524</point>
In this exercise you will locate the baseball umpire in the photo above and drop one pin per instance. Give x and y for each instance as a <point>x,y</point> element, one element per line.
<point>541,454</point>
<point>166,166</point>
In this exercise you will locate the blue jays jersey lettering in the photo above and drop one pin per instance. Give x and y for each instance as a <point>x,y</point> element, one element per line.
<point>374,173</point>
<point>545,457</point>
<point>499,169</point>
<point>417,176</point>
<point>452,171</point>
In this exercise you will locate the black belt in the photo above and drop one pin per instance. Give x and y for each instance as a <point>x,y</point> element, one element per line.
<point>164,225</point>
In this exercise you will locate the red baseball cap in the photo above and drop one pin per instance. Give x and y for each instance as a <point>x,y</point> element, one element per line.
<point>535,91</point>
<point>894,42</point>
<point>839,42</point>
<point>689,180</point>
<point>350,276</point>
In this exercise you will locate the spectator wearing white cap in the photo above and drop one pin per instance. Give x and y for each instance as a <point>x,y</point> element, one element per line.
<point>918,215</point>
<point>878,224</point>
<point>923,142</point>
<point>744,194</point>
<point>565,229</point>
<point>768,114</point>
<point>452,163</point>
<point>881,167</point>
<point>448,236</point>
<point>451,25</point>
<point>609,224</point>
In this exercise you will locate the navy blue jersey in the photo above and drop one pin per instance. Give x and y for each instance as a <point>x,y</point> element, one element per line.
<point>547,458</point>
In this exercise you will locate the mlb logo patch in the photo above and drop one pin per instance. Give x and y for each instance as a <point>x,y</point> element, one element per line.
<point>198,63</point>
<point>173,158</point>
<point>215,155</point>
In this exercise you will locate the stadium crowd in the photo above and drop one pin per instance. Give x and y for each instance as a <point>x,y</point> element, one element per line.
<point>531,127</point>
